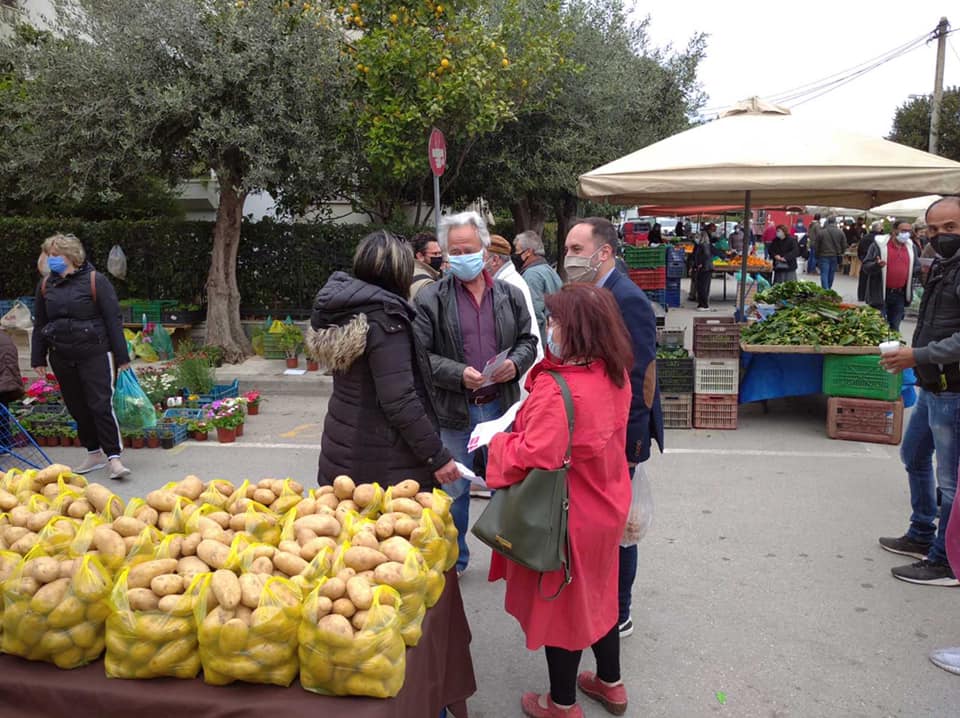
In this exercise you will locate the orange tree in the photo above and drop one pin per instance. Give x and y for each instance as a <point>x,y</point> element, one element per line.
<point>465,66</point>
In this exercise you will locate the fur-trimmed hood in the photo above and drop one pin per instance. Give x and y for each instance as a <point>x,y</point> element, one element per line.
<point>341,314</point>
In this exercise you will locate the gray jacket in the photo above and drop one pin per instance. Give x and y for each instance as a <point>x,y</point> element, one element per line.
<point>542,280</point>
<point>437,327</point>
<point>830,242</point>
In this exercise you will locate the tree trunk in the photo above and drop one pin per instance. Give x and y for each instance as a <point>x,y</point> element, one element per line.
<point>223,295</point>
<point>566,211</point>
<point>528,213</point>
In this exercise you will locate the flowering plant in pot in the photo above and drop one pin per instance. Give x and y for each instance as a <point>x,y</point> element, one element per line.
<point>291,340</point>
<point>198,429</point>
<point>153,440</point>
<point>253,402</point>
<point>225,418</point>
<point>68,436</point>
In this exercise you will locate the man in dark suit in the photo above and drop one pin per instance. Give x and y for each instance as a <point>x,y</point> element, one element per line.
<point>591,257</point>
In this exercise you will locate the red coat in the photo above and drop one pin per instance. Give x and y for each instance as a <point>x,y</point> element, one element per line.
<point>599,489</point>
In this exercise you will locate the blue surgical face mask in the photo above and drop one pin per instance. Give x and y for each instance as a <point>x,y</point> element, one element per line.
<point>466,266</point>
<point>903,237</point>
<point>57,265</point>
<point>552,345</point>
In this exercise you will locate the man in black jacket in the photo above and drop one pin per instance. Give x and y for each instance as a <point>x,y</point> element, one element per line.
<point>934,427</point>
<point>464,321</point>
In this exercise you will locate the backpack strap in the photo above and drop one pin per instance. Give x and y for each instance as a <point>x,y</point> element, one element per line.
<point>43,287</point>
<point>93,284</point>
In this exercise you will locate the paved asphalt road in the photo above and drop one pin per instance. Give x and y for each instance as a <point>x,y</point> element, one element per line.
<point>762,590</point>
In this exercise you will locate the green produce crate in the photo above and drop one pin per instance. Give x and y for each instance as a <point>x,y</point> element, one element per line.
<point>645,257</point>
<point>859,377</point>
<point>271,347</point>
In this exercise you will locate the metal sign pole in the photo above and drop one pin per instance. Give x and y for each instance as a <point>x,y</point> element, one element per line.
<point>436,203</point>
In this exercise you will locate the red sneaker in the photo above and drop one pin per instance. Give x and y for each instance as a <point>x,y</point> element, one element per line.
<point>530,703</point>
<point>613,698</point>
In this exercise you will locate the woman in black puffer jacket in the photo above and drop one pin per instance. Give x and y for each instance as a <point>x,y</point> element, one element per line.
<point>380,424</point>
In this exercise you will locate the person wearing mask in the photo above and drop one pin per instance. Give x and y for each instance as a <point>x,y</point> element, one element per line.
<point>813,236</point>
<point>784,251</point>
<point>736,240</point>
<point>680,231</point>
<point>702,268</point>
<point>889,267</point>
<point>589,347</point>
<point>655,237</point>
<point>934,426</point>
<point>769,234</point>
<point>79,329</point>
<point>499,264</point>
<point>829,246</point>
<point>463,321</point>
<point>429,259</point>
<point>589,246</point>
<point>361,328</point>
<point>876,229</point>
<point>541,278</point>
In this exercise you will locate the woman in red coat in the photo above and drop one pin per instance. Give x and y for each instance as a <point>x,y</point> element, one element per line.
<point>588,344</point>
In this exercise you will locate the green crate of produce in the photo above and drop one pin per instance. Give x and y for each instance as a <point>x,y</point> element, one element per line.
<point>271,346</point>
<point>645,257</point>
<point>859,377</point>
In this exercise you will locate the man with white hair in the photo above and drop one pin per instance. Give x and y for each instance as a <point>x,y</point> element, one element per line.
<point>539,276</point>
<point>464,321</point>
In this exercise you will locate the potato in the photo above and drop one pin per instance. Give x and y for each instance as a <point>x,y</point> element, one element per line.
<point>344,607</point>
<point>284,503</point>
<point>50,474</point>
<point>147,514</point>
<point>143,599</point>
<point>333,588</point>
<point>67,568</point>
<point>365,538</point>
<point>345,574</point>
<point>264,496</point>
<point>343,487</point>
<point>79,508</point>
<point>221,518</point>
<point>128,526</point>
<point>360,593</point>
<point>23,545</point>
<point>176,604</point>
<point>190,543</point>
<point>324,606</point>
<point>312,548</point>
<point>406,506</point>
<point>396,548</point>
<point>405,526</point>
<point>306,507</point>
<point>359,620</point>
<point>226,587</point>
<point>50,596</point>
<point>384,527</point>
<point>289,546</point>
<point>69,612</point>
<point>390,574</point>
<point>405,489</point>
<point>336,626</point>
<point>330,501</point>
<point>190,487</point>
<point>286,595</point>
<point>251,587</point>
<point>162,500</point>
<point>167,584</point>
<point>40,519</point>
<point>42,568</point>
<point>190,566</point>
<point>361,558</point>
<point>102,498</point>
<point>364,495</point>
<point>109,543</point>
<point>233,636</point>
<point>213,553</point>
<point>174,546</point>
<point>347,505</point>
<point>142,574</point>
<point>290,564</point>
<point>12,534</point>
<point>244,614</point>
<point>7,500</point>
<point>319,524</point>
<point>267,620</point>
<point>129,542</point>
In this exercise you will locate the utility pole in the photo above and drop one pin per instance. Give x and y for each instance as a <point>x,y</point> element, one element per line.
<point>938,85</point>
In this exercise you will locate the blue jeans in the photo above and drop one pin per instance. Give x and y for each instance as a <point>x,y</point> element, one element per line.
<point>828,269</point>
<point>934,427</point>
<point>456,443</point>
<point>811,261</point>
<point>628,573</point>
<point>894,306</point>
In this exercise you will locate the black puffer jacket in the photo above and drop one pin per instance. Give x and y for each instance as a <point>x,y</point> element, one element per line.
<point>75,321</point>
<point>380,424</point>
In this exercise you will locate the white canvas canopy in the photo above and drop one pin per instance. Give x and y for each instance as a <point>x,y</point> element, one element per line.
<point>905,208</point>
<point>779,158</point>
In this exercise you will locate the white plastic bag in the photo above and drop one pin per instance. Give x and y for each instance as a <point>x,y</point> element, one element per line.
<point>641,509</point>
<point>117,262</point>
<point>18,317</point>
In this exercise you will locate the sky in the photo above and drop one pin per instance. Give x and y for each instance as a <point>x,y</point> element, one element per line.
<point>768,48</point>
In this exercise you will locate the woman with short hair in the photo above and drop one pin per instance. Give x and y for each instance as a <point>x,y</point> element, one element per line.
<point>79,328</point>
<point>380,423</point>
<point>589,347</point>
<point>784,249</point>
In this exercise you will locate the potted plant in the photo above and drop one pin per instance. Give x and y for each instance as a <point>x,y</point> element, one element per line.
<point>225,418</point>
<point>166,437</point>
<point>253,402</point>
<point>153,440</point>
<point>290,342</point>
<point>198,430</point>
<point>68,436</point>
<point>137,440</point>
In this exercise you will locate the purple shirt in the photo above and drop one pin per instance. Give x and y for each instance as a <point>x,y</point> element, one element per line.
<point>477,329</point>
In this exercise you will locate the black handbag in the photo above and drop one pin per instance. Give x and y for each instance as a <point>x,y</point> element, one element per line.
<point>527,522</point>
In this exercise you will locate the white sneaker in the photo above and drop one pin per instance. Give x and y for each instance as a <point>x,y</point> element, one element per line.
<point>626,628</point>
<point>95,460</point>
<point>947,658</point>
<point>118,470</point>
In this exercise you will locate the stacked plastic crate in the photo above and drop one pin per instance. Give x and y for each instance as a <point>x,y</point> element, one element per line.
<point>675,375</point>
<point>676,268</point>
<point>648,270</point>
<point>864,399</point>
<point>716,349</point>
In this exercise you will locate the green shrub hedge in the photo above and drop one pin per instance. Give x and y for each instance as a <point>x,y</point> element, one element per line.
<point>280,267</point>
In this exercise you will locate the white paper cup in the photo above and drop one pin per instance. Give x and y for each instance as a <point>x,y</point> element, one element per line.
<point>887,347</point>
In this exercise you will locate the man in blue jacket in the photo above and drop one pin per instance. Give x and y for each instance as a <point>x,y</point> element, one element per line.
<point>591,257</point>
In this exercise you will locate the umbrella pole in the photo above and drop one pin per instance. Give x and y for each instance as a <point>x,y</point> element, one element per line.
<point>743,258</point>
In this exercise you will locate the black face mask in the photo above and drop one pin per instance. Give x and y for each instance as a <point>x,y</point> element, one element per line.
<point>436,262</point>
<point>946,245</point>
<point>517,261</point>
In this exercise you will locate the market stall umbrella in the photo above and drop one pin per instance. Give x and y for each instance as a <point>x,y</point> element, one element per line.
<point>761,153</point>
<point>905,208</point>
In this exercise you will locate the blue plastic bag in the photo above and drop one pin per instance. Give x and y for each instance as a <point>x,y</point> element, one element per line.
<point>130,403</point>
<point>909,390</point>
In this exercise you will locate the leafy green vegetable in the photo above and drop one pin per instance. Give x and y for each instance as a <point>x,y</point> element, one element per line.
<point>820,324</point>
<point>792,293</point>
<point>672,353</point>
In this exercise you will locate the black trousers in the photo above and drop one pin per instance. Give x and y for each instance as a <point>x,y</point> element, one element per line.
<point>562,665</point>
<point>87,388</point>
<point>703,287</point>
